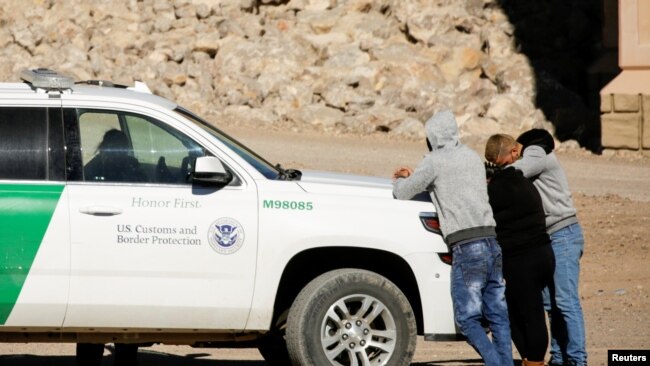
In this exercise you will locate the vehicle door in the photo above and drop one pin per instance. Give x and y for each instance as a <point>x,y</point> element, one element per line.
<point>34,236</point>
<point>150,247</point>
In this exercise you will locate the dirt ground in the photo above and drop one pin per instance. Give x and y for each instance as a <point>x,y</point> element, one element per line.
<point>611,193</point>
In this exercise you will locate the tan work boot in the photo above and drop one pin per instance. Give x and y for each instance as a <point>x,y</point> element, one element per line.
<point>526,362</point>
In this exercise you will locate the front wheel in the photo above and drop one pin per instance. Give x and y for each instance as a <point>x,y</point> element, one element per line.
<point>351,317</point>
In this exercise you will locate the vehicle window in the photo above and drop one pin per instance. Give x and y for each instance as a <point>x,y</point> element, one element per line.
<point>24,143</point>
<point>92,127</point>
<point>258,162</point>
<point>124,147</point>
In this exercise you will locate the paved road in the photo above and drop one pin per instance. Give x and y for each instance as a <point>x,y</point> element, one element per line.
<point>600,176</point>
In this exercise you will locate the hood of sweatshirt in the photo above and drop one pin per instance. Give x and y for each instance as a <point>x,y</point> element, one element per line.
<point>442,130</point>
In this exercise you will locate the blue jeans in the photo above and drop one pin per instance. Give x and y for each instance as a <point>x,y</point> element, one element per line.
<point>478,292</point>
<point>562,300</point>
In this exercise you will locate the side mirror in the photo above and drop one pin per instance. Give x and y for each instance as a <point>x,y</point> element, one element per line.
<point>208,169</point>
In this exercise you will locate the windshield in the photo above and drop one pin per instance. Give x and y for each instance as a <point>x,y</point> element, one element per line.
<point>258,162</point>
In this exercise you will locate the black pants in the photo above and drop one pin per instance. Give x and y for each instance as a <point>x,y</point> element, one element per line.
<point>526,274</point>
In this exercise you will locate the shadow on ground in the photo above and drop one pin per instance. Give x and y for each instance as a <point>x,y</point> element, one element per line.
<point>147,358</point>
<point>474,362</point>
<point>144,359</point>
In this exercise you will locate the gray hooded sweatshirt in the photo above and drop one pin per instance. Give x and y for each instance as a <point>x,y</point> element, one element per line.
<point>549,179</point>
<point>454,175</point>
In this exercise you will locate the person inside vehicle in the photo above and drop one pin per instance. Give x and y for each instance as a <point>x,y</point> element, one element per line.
<point>113,162</point>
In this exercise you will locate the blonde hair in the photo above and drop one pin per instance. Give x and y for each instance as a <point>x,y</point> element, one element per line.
<point>498,145</point>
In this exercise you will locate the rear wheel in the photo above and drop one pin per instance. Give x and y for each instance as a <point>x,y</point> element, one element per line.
<point>89,354</point>
<point>351,317</point>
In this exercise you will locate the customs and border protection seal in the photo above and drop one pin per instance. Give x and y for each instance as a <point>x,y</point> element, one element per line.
<point>226,235</point>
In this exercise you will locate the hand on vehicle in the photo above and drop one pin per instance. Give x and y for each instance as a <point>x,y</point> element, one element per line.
<point>403,172</point>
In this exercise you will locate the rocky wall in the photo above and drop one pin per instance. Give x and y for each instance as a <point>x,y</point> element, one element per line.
<point>357,65</point>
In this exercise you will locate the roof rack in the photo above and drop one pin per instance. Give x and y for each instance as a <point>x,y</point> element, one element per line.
<point>46,79</point>
<point>104,83</point>
<point>138,86</point>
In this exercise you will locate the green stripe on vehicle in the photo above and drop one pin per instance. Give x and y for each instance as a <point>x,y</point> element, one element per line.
<point>25,213</point>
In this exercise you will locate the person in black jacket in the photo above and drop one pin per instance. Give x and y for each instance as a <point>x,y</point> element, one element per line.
<point>528,259</point>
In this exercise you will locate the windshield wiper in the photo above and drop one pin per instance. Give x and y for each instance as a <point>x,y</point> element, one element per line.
<point>288,174</point>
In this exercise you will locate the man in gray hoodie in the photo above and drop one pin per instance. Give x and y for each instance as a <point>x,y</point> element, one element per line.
<point>454,175</point>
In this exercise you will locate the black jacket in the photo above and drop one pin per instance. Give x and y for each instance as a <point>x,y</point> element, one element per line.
<point>518,211</point>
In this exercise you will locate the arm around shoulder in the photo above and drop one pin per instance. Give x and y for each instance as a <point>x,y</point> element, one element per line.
<point>532,162</point>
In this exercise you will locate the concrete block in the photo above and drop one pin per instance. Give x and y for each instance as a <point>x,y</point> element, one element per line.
<point>605,103</point>
<point>621,130</point>
<point>646,122</point>
<point>626,103</point>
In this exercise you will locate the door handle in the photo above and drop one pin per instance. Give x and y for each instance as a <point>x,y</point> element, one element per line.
<point>101,210</point>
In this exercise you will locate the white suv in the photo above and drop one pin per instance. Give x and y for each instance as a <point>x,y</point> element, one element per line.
<point>127,219</point>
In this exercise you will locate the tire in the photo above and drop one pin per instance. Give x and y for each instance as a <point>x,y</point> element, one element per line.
<point>273,346</point>
<point>125,354</point>
<point>351,317</point>
<point>89,354</point>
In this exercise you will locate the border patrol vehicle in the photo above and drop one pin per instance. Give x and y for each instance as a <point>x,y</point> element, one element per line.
<point>127,219</point>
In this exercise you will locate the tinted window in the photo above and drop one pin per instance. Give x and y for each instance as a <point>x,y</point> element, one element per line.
<point>125,147</point>
<point>56,151</point>
<point>24,143</point>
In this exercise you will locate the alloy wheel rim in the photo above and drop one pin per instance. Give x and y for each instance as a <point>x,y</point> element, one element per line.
<point>358,330</point>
